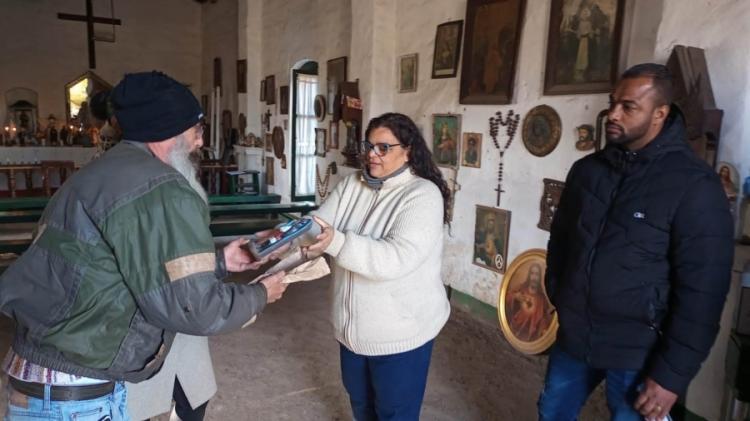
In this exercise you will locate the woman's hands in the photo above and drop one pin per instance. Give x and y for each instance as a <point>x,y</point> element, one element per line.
<point>322,240</point>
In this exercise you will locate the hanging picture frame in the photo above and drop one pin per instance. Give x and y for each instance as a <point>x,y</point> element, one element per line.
<point>269,171</point>
<point>583,46</point>
<point>270,90</point>
<point>491,230</point>
<point>408,73</point>
<point>527,317</point>
<point>263,90</point>
<point>333,135</point>
<point>493,32</point>
<point>542,129</point>
<point>471,150</point>
<point>447,49</point>
<point>242,76</point>
<point>446,132</point>
<point>335,75</point>
<point>284,100</point>
<point>320,142</point>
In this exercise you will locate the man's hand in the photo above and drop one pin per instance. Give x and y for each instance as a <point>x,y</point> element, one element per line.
<point>238,258</point>
<point>323,240</point>
<point>274,286</point>
<point>654,402</point>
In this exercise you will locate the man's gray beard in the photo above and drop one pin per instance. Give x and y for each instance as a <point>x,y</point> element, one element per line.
<point>187,164</point>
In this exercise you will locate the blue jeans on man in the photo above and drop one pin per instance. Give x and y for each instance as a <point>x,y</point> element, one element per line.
<point>110,407</point>
<point>569,382</point>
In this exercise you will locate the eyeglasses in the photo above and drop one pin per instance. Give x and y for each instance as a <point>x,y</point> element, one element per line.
<point>379,148</point>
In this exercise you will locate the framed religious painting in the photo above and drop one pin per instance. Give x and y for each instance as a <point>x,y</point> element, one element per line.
<point>542,129</point>
<point>447,49</point>
<point>471,150</point>
<point>263,90</point>
<point>320,142</point>
<point>268,142</point>
<point>493,31</point>
<point>242,76</point>
<point>335,74</point>
<point>284,100</point>
<point>527,317</point>
<point>730,181</point>
<point>333,135</point>
<point>446,129</point>
<point>407,73</point>
<point>270,90</point>
<point>491,230</point>
<point>583,46</point>
<point>269,171</point>
<point>549,203</point>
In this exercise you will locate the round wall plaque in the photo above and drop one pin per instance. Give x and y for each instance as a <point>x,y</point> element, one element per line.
<point>541,130</point>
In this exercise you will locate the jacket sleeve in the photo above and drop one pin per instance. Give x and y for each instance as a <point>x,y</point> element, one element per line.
<point>166,255</point>
<point>556,246</point>
<point>417,228</point>
<point>701,254</point>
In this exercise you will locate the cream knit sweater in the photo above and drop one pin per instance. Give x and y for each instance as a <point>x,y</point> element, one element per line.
<point>387,291</point>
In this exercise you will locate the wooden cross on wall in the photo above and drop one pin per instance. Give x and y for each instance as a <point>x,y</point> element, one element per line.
<point>90,20</point>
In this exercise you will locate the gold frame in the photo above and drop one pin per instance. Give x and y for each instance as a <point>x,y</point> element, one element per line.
<point>545,342</point>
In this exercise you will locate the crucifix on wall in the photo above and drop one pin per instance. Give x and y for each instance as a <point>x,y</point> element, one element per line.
<point>90,20</point>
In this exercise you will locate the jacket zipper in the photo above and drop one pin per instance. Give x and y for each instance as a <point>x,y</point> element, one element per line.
<point>350,279</point>
<point>629,156</point>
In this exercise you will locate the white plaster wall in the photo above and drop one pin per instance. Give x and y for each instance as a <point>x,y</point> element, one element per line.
<point>43,53</point>
<point>293,31</point>
<point>219,23</point>
<point>416,22</point>
<point>719,27</point>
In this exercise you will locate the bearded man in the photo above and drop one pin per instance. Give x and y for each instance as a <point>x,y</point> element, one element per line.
<point>639,261</point>
<point>123,260</point>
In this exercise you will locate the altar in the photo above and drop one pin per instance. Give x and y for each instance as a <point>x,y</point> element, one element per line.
<point>21,169</point>
<point>15,155</point>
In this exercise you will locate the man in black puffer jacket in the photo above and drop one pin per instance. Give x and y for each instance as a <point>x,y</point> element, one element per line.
<point>639,262</point>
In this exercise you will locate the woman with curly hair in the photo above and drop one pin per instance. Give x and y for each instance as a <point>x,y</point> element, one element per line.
<point>383,228</point>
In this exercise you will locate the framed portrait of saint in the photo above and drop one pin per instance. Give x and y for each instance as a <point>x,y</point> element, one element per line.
<point>471,150</point>
<point>526,315</point>
<point>407,73</point>
<point>583,46</point>
<point>447,49</point>
<point>333,135</point>
<point>491,230</point>
<point>493,32</point>
<point>242,76</point>
<point>446,132</point>
<point>335,75</point>
<point>269,171</point>
<point>270,90</point>
<point>320,142</point>
<point>542,129</point>
<point>263,90</point>
<point>284,100</point>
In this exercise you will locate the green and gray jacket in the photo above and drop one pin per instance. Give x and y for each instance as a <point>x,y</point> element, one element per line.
<point>122,260</point>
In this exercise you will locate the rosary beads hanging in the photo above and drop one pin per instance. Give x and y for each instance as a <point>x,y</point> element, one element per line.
<point>511,126</point>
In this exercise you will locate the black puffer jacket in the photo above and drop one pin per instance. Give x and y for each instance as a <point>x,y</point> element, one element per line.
<point>640,258</point>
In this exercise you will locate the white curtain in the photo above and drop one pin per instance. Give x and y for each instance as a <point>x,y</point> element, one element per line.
<point>307,89</point>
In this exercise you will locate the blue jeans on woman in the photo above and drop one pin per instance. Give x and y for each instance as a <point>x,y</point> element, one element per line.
<point>111,407</point>
<point>386,387</point>
<point>569,382</point>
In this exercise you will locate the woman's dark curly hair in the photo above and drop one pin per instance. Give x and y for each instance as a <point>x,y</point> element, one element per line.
<point>420,158</point>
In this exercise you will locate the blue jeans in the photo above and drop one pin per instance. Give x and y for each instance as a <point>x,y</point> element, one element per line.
<point>569,382</point>
<point>110,407</point>
<point>386,387</point>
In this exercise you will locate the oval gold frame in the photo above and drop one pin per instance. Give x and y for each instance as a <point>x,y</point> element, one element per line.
<point>555,125</point>
<point>546,341</point>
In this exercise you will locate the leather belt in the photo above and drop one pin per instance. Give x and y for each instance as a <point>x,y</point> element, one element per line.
<point>62,393</point>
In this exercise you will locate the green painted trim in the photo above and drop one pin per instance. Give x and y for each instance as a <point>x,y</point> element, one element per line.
<point>473,306</point>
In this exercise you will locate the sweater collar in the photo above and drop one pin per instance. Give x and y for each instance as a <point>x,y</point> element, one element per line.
<point>397,178</point>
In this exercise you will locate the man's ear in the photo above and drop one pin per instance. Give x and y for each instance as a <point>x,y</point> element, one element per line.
<point>661,113</point>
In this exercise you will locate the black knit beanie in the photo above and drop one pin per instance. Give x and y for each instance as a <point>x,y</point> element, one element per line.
<point>151,107</point>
